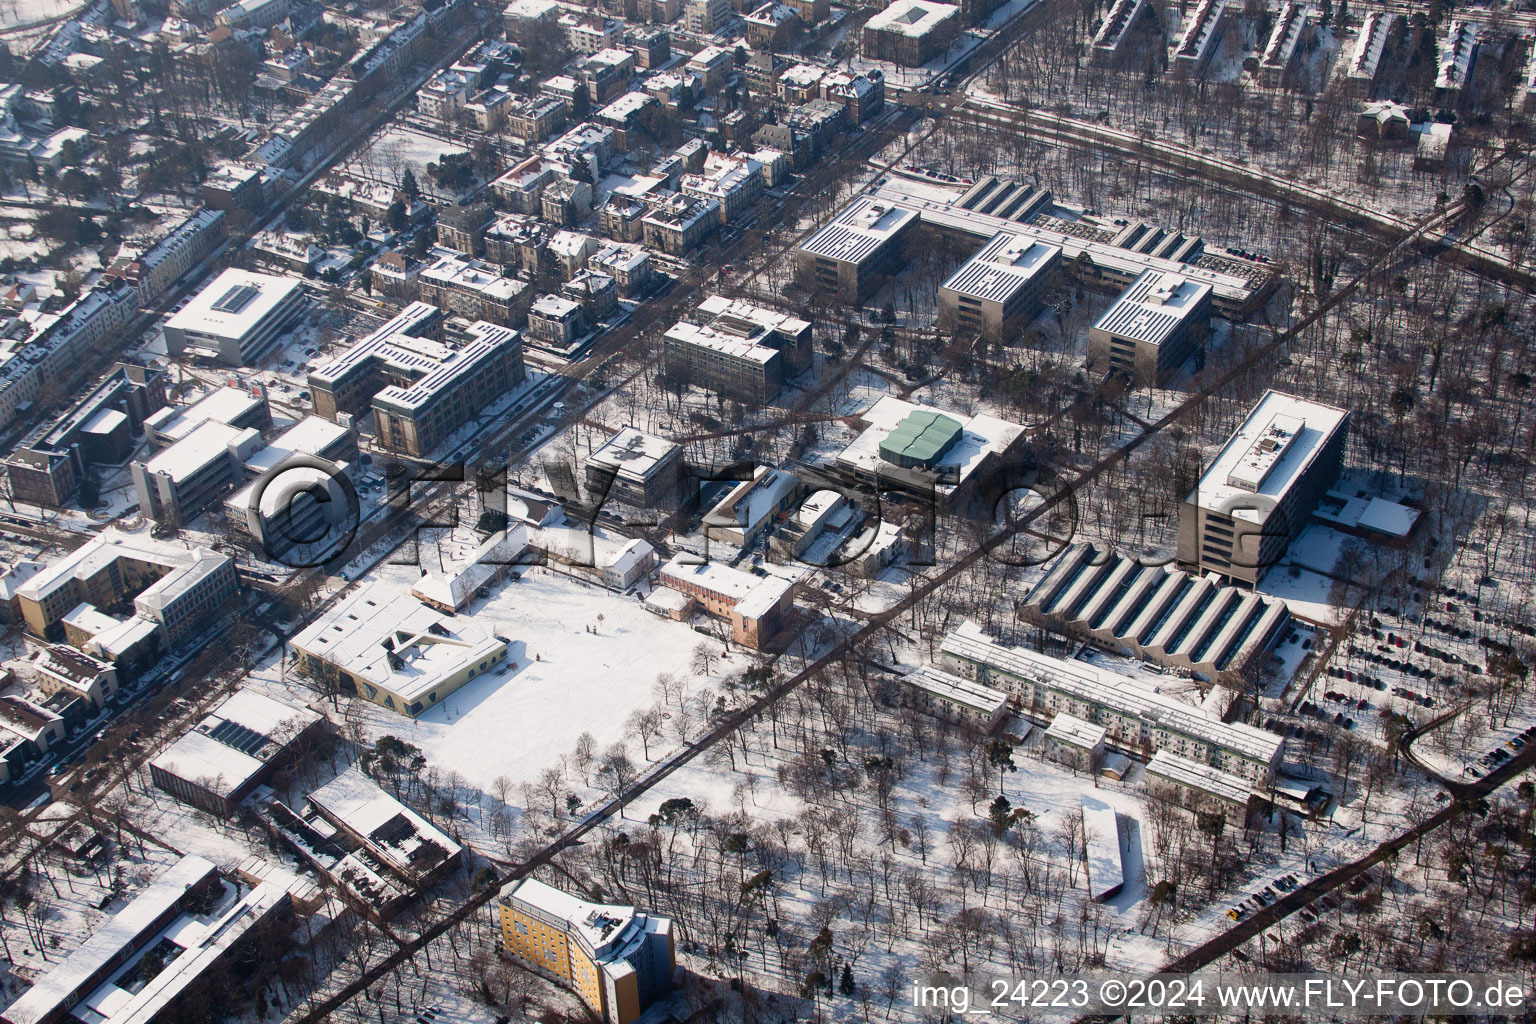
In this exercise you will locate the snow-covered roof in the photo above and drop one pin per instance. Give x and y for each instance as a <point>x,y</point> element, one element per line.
<point>912,17</point>
<point>385,636</point>
<point>235,743</point>
<point>1153,307</point>
<point>1075,732</point>
<point>956,689</point>
<point>403,839</point>
<point>1200,777</point>
<point>633,454</point>
<point>1273,447</point>
<point>312,435</point>
<point>91,957</point>
<point>982,435</point>
<point>1001,267</point>
<point>225,404</point>
<point>1101,840</point>
<point>210,442</point>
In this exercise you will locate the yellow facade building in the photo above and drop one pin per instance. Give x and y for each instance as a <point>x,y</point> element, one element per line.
<point>617,959</point>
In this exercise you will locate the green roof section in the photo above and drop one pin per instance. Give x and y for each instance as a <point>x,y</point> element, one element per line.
<point>921,439</point>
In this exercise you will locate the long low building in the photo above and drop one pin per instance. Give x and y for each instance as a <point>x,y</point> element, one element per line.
<point>955,699</point>
<point>1157,612</point>
<point>222,760</point>
<point>394,650</point>
<point>1137,717</point>
<point>1101,841</point>
<point>187,922</point>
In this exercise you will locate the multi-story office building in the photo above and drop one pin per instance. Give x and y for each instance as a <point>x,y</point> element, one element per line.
<point>1257,493</point>
<point>911,32</point>
<point>99,430</point>
<point>635,468</point>
<point>176,483</point>
<point>1152,328</point>
<point>1137,718</point>
<point>236,318</point>
<point>616,959</point>
<point>421,389</point>
<point>999,290</point>
<point>230,405</point>
<point>174,587</point>
<point>737,349</point>
<point>854,253</point>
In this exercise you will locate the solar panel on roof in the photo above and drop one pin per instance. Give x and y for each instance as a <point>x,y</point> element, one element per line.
<point>241,738</point>
<point>236,299</point>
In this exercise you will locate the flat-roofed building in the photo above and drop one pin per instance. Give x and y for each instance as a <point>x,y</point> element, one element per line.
<point>635,468</point>
<point>190,918</point>
<point>178,482</point>
<point>1165,615</point>
<point>236,318</point>
<point>933,453</point>
<point>1137,717</point>
<point>996,292</point>
<point>421,389</point>
<point>408,846</point>
<point>854,253</point>
<point>616,959</point>
<point>233,406</point>
<point>911,32</point>
<point>737,349</point>
<point>1256,495</point>
<point>1105,876</point>
<point>1075,743</point>
<point>394,650</point>
<point>1152,328</point>
<point>757,607</point>
<point>954,699</point>
<point>221,761</point>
